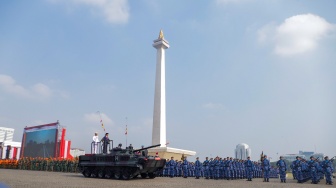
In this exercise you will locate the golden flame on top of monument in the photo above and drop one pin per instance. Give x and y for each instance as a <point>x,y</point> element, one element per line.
<point>161,35</point>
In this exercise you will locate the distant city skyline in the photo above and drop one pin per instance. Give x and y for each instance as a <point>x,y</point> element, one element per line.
<point>237,71</point>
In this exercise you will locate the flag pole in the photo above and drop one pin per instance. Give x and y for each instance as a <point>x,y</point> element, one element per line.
<point>126,132</point>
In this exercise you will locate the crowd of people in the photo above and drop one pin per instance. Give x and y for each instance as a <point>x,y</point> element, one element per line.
<point>213,168</point>
<point>230,169</point>
<point>313,170</point>
<point>220,168</point>
<point>42,164</point>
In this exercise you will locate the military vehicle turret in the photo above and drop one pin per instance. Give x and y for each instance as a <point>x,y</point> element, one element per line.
<point>121,163</point>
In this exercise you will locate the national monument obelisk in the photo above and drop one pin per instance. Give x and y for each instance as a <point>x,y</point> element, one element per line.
<point>159,115</point>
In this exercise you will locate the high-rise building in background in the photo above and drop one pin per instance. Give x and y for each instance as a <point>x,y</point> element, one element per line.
<point>6,134</point>
<point>242,151</point>
<point>304,155</point>
<point>8,148</point>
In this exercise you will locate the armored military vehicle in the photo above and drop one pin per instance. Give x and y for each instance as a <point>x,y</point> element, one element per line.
<point>121,163</point>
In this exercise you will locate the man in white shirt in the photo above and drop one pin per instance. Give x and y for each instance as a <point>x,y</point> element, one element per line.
<point>95,144</point>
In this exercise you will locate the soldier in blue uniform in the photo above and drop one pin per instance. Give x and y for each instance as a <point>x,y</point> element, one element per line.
<point>328,170</point>
<point>298,169</point>
<point>292,166</point>
<point>234,169</point>
<point>248,168</point>
<point>191,169</point>
<point>172,165</point>
<point>198,166</point>
<point>313,170</point>
<point>241,168</point>
<point>256,173</point>
<point>243,171</point>
<point>216,165</point>
<point>178,168</point>
<point>228,168</point>
<point>232,172</point>
<point>211,168</point>
<point>282,169</point>
<point>266,168</point>
<point>224,170</point>
<point>305,170</point>
<point>166,169</point>
<point>206,168</point>
<point>185,164</point>
<point>221,168</point>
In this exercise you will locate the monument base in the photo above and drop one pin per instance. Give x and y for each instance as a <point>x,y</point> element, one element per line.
<point>168,152</point>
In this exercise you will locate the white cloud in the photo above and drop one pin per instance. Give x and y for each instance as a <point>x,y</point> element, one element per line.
<point>211,105</point>
<point>114,11</point>
<point>95,119</point>
<point>8,84</point>
<point>297,34</point>
<point>38,91</point>
<point>42,90</point>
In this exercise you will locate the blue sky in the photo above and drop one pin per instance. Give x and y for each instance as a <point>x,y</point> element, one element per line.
<point>237,71</point>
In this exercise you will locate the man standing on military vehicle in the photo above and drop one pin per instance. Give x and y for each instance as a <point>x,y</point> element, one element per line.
<point>105,141</point>
<point>95,141</point>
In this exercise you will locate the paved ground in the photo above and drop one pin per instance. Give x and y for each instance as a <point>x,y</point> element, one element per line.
<point>38,179</point>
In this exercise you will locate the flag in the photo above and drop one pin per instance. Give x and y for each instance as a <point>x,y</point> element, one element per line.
<point>101,121</point>
<point>103,127</point>
<point>126,130</point>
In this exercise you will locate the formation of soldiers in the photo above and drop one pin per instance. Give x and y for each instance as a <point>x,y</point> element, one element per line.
<point>313,170</point>
<point>216,168</point>
<point>230,169</point>
<point>8,163</point>
<point>48,164</point>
